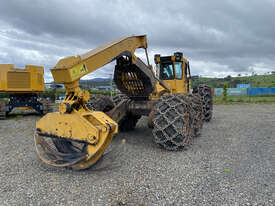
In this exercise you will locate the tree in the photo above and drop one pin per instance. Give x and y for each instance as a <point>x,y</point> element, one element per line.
<point>224,92</point>
<point>228,78</point>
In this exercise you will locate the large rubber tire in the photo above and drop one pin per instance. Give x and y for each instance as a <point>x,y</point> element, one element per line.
<point>205,92</point>
<point>196,114</point>
<point>172,123</point>
<point>128,123</point>
<point>118,98</point>
<point>100,103</point>
<point>47,107</point>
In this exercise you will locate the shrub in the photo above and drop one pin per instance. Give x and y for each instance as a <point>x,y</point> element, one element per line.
<point>224,92</point>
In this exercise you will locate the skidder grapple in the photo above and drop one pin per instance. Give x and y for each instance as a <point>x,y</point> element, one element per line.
<point>78,134</point>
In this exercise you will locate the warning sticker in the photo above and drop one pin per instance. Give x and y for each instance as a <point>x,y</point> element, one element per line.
<point>78,71</point>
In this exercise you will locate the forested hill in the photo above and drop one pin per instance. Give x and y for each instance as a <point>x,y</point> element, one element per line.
<point>258,81</point>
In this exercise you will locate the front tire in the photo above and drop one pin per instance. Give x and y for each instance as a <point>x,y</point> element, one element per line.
<point>172,122</point>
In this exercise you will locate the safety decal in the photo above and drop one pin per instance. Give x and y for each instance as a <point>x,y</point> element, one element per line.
<point>78,71</point>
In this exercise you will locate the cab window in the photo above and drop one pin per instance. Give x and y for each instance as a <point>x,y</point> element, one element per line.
<point>166,71</point>
<point>178,70</point>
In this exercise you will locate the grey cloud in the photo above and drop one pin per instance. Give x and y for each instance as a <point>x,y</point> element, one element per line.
<point>226,36</point>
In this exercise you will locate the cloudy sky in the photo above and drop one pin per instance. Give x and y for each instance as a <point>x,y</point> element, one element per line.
<point>219,38</point>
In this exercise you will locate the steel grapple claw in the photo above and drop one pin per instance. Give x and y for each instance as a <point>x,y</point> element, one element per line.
<point>76,140</point>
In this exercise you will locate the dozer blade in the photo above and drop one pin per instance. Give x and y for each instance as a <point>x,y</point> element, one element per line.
<point>77,140</point>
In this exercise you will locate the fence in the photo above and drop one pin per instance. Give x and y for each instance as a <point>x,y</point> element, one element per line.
<point>245,91</point>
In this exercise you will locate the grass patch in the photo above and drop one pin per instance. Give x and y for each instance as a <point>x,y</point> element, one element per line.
<point>245,99</point>
<point>227,170</point>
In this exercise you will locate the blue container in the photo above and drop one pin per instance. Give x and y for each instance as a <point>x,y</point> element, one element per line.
<point>261,91</point>
<point>237,91</point>
<point>272,91</point>
<point>218,91</point>
<point>243,85</point>
<point>231,92</point>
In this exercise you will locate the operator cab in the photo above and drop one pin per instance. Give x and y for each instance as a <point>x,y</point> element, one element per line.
<point>174,71</point>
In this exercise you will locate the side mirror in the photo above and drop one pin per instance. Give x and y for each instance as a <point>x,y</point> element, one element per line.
<point>156,58</point>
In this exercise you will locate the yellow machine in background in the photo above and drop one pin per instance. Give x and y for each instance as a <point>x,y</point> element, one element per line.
<point>80,132</point>
<point>13,80</point>
<point>23,87</point>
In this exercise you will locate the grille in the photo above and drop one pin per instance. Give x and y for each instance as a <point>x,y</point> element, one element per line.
<point>18,80</point>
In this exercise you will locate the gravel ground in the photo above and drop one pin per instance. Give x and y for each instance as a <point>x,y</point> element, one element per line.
<point>231,163</point>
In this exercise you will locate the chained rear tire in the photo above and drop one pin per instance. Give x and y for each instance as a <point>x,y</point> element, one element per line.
<point>172,124</point>
<point>196,114</point>
<point>129,122</point>
<point>100,103</point>
<point>118,98</point>
<point>205,92</point>
<point>47,107</point>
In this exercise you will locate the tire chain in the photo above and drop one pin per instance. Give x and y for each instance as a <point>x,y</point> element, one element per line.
<point>196,113</point>
<point>178,118</point>
<point>129,122</point>
<point>172,122</point>
<point>205,92</point>
<point>47,107</point>
<point>100,103</point>
<point>118,98</point>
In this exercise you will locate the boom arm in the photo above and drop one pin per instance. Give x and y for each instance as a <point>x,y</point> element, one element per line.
<point>69,70</point>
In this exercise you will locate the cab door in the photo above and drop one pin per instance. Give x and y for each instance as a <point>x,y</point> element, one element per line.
<point>188,77</point>
<point>167,75</point>
<point>180,83</point>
